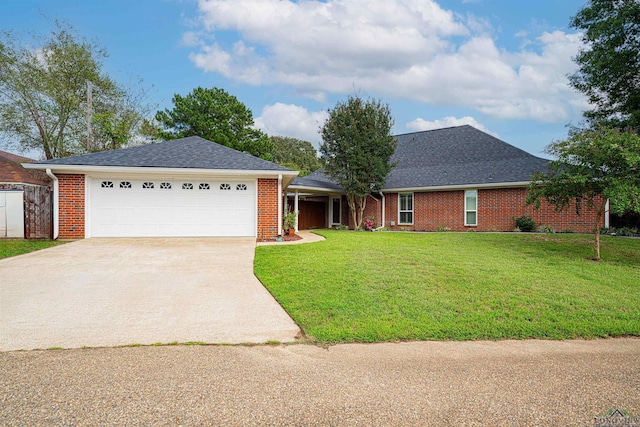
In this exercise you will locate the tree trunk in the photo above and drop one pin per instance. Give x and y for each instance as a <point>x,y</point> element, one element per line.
<point>596,229</point>
<point>362,203</point>
<point>351,199</point>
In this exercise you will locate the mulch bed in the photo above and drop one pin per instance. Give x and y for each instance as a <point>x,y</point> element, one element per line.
<point>287,238</point>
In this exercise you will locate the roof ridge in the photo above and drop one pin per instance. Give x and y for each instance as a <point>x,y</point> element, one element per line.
<point>438,129</point>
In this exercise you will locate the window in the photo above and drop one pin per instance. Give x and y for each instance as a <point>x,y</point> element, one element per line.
<point>187,186</point>
<point>165,185</point>
<point>125,184</point>
<point>225,187</point>
<point>336,209</point>
<point>106,184</point>
<point>147,185</point>
<point>241,187</point>
<point>471,207</point>
<point>204,186</point>
<point>405,211</point>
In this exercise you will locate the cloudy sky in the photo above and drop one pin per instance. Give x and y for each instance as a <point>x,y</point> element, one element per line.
<point>499,65</point>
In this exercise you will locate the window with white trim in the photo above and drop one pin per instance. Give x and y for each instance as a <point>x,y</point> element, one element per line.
<point>147,185</point>
<point>165,185</point>
<point>125,184</point>
<point>405,208</point>
<point>187,186</point>
<point>106,184</point>
<point>225,186</point>
<point>204,186</point>
<point>241,187</point>
<point>471,207</point>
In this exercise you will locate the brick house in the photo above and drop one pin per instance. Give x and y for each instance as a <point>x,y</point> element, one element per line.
<point>181,188</point>
<point>458,177</point>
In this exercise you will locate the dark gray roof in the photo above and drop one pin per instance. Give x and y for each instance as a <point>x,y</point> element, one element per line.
<point>316,179</point>
<point>461,155</point>
<point>190,153</point>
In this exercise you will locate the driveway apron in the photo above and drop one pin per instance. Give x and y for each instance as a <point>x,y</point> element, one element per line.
<point>109,292</point>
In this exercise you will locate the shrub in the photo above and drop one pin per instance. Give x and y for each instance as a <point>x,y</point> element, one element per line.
<point>369,224</point>
<point>443,228</point>
<point>546,229</point>
<point>525,223</point>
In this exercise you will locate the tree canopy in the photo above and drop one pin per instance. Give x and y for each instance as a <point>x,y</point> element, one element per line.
<point>43,95</point>
<point>295,154</point>
<point>357,148</point>
<point>609,65</point>
<point>215,115</point>
<point>592,166</point>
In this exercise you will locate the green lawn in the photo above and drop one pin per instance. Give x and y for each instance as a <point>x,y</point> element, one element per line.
<point>17,247</point>
<point>366,287</point>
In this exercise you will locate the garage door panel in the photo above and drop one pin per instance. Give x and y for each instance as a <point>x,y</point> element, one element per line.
<point>180,211</point>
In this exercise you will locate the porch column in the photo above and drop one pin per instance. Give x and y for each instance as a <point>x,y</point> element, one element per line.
<point>295,209</point>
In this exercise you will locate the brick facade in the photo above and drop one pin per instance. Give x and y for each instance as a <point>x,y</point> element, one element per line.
<point>267,209</point>
<point>71,206</point>
<point>496,210</point>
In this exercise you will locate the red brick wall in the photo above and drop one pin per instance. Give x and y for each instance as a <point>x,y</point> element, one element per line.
<point>496,208</point>
<point>267,209</point>
<point>71,206</point>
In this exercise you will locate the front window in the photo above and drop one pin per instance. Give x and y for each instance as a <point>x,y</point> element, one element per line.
<point>471,207</point>
<point>405,211</point>
<point>336,209</point>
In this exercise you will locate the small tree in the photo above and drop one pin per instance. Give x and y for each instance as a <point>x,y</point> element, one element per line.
<point>591,168</point>
<point>357,148</point>
<point>215,115</point>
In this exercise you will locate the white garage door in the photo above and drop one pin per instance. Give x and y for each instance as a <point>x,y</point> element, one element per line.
<point>172,208</point>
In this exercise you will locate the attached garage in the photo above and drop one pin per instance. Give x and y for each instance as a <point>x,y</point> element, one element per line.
<point>188,187</point>
<point>157,207</point>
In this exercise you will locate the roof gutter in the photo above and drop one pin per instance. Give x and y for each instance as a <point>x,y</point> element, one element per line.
<point>56,213</point>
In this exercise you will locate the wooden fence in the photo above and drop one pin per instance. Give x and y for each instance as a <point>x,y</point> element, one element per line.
<point>38,220</point>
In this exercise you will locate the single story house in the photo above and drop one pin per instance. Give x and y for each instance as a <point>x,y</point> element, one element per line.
<point>459,177</point>
<point>185,187</point>
<point>25,209</point>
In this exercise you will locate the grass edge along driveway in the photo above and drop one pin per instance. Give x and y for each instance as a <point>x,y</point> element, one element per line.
<point>13,247</point>
<point>370,287</point>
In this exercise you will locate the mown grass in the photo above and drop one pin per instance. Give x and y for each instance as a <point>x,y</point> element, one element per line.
<point>9,248</point>
<point>368,287</point>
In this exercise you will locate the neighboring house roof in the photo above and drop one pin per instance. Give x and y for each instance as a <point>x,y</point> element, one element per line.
<point>187,153</point>
<point>455,156</point>
<point>11,171</point>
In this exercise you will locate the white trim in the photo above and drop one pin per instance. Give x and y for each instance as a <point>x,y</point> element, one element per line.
<point>606,215</point>
<point>313,189</point>
<point>75,169</point>
<point>470,210</point>
<point>56,204</point>
<point>279,205</point>
<point>413,206</point>
<point>457,187</point>
<point>295,208</point>
<point>256,211</point>
<point>383,210</point>
<point>87,206</point>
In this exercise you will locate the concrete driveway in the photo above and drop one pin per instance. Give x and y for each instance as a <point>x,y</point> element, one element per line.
<point>107,292</point>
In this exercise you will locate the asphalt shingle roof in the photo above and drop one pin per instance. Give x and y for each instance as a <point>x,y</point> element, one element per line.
<point>190,153</point>
<point>461,155</point>
<point>11,171</point>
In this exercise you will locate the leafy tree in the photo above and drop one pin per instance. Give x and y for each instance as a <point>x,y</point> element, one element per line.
<point>43,93</point>
<point>295,154</point>
<point>609,65</point>
<point>215,115</point>
<point>357,148</point>
<point>591,168</point>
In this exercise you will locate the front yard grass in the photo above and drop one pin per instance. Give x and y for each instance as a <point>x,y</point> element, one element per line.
<point>10,248</point>
<point>368,287</point>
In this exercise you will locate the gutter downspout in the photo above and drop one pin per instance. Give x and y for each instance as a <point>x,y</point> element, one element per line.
<point>606,215</point>
<point>55,203</point>
<point>279,205</point>
<point>384,223</point>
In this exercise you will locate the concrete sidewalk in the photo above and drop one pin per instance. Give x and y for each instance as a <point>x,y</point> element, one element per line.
<point>108,292</point>
<point>504,383</point>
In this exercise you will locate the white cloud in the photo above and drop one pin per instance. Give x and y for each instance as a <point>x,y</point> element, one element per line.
<point>411,49</point>
<point>291,120</point>
<point>420,124</point>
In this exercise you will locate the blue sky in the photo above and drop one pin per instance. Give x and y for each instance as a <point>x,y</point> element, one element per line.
<point>499,65</point>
